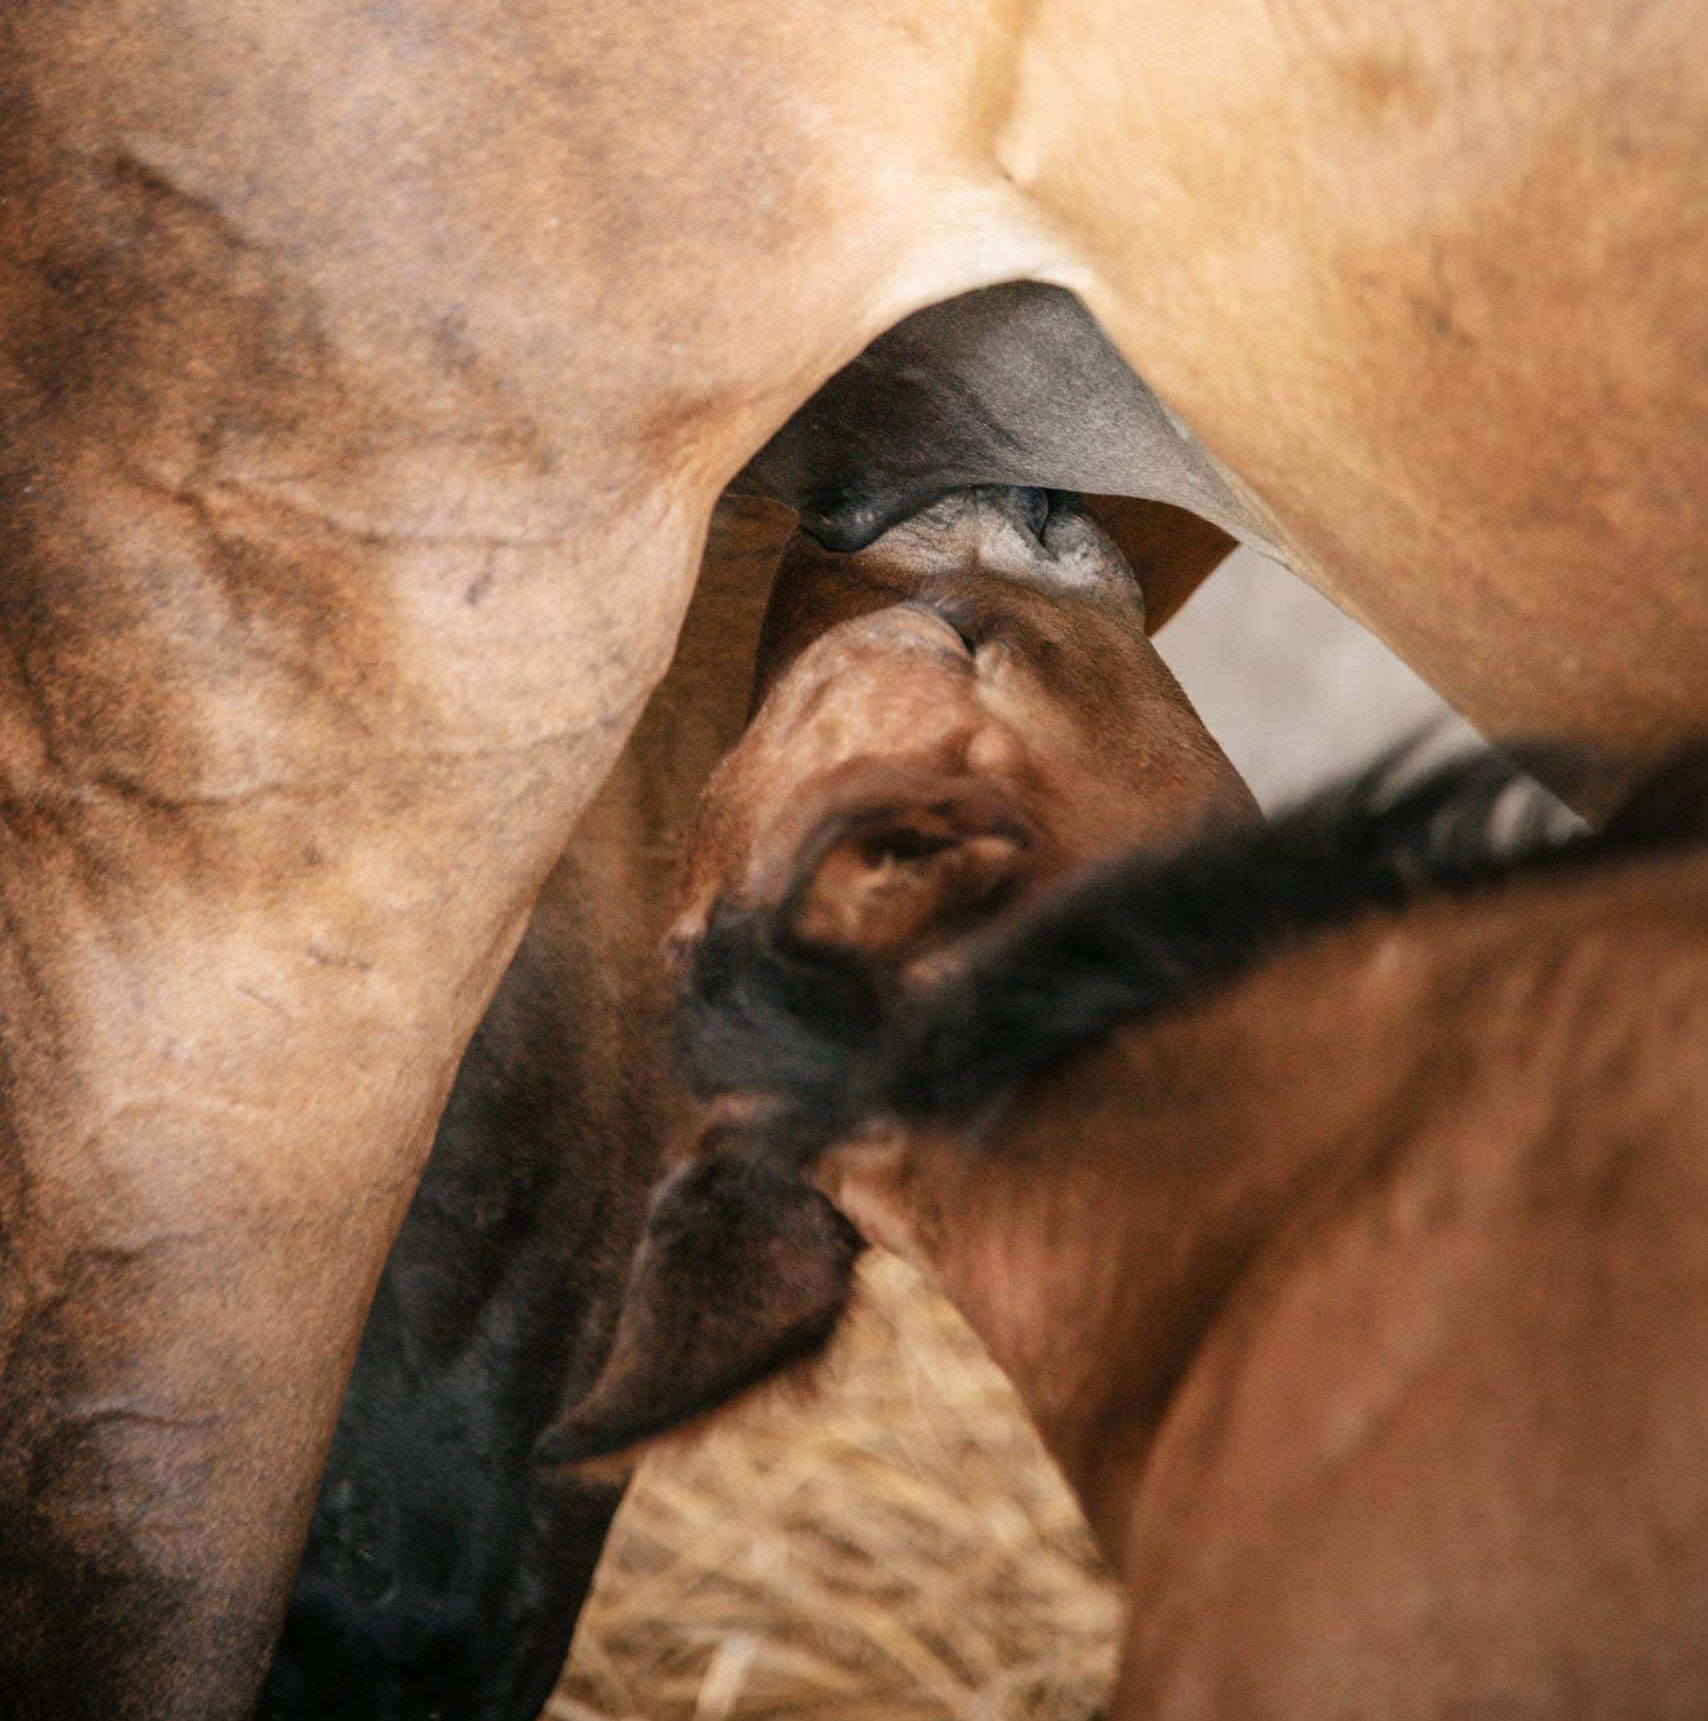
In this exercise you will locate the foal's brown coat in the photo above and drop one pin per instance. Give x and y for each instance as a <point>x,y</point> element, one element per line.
<point>1364,1304</point>
<point>1363,1299</point>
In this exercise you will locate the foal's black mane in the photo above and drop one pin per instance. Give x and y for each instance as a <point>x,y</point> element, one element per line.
<point>835,1043</point>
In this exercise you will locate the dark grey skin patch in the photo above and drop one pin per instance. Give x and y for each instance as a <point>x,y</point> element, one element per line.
<point>1014,384</point>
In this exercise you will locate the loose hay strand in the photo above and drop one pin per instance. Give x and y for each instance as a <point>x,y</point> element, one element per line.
<point>897,1546</point>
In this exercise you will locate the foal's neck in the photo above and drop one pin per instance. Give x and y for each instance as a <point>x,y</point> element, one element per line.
<point>1095,1235</point>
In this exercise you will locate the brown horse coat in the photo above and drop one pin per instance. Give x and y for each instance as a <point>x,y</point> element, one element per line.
<point>1332,1193</point>
<point>367,376</point>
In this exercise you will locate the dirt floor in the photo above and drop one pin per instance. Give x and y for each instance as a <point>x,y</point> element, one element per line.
<point>896,1547</point>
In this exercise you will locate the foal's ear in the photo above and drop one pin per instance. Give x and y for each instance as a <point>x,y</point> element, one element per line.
<point>888,881</point>
<point>741,1272</point>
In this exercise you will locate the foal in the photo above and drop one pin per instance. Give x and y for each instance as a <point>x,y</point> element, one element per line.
<point>1334,1194</point>
<point>974,706</point>
<point>1352,1258</point>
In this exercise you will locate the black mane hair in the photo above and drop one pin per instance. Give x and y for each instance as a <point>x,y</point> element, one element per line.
<point>834,1042</point>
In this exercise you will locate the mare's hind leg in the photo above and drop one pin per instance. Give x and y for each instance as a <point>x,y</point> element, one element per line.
<point>445,1569</point>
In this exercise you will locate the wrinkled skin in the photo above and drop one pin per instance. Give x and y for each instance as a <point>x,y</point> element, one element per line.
<point>368,377</point>
<point>1011,385</point>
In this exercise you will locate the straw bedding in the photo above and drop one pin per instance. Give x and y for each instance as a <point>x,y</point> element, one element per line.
<point>894,1544</point>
